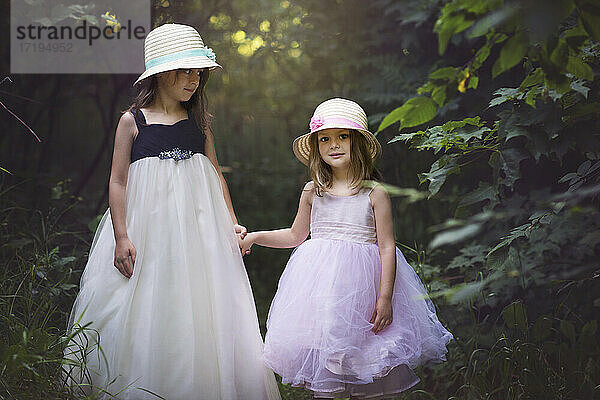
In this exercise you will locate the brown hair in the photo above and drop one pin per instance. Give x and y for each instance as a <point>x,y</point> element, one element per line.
<point>361,164</point>
<point>197,104</point>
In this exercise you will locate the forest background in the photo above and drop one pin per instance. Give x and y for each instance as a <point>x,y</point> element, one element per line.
<point>488,114</point>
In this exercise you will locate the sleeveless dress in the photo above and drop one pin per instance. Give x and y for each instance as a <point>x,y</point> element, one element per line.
<point>318,331</point>
<point>184,326</point>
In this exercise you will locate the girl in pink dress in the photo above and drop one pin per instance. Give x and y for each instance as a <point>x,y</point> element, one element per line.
<point>350,317</point>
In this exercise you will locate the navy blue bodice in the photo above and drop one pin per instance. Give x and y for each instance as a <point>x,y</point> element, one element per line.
<point>178,141</point>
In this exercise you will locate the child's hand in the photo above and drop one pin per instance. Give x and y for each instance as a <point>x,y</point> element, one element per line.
<point>123,251</point>
<point>240,230</point>
<point>382,315</point>
<point>246,243</point>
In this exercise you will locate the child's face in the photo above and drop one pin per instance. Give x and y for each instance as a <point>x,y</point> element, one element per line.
<point>180,83</point>
<point>334,147</point>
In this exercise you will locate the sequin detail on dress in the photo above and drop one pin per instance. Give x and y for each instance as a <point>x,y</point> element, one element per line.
<point>176,154</point>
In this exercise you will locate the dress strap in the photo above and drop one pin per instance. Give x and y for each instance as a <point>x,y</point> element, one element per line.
<point>368,189</point>
<point>138,116</point>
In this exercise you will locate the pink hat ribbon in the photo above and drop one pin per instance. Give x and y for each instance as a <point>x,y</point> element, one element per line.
<point>317,121</point>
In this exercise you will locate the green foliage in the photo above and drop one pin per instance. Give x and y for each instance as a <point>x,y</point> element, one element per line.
<point>458,15</point>
<point>38,284</point>
<point>523,179</point>
<point>562,62</point>
<point>415,111</point>
<point>549,359</point>
<point>512,52</point>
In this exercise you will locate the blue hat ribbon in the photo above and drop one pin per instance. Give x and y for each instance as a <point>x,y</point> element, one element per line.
<point>206,52</point>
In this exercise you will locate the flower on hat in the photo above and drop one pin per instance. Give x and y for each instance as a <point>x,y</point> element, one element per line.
<point>210,54</point>
<point>316,122</point>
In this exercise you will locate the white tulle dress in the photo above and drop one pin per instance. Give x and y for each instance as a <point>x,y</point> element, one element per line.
<point>318,331</point>
<point>184,326</point>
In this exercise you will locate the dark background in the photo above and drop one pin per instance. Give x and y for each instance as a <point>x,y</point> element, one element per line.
<point>507,246</point>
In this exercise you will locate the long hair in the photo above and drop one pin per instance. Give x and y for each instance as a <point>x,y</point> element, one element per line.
<point>362,166</point>
<point>197,104</point>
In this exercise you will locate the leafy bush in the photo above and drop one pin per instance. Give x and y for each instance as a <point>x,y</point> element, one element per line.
<point>39,280</point>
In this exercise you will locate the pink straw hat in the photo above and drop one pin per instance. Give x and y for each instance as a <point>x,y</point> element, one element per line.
<point>336,113</point>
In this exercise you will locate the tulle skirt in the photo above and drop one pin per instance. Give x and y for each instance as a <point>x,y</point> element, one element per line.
<point>318,331</point>
<point>184,326</point>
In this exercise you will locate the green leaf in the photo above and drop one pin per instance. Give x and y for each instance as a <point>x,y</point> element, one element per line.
<point>469,133</point>
<point>515,131</point>
<point>444,73</point>
<point>512,165</point>
<point>415,111</point>
<point>410,195</point>
<point>393,117</point>
<point>482,54</point>
<point>455,235</point>
<point>446,27</point>
<point>407,136</point>
<point>452,125</point>
<point>579,87</point>
<point>568,177</point>
<point>584,167</point>
<point>560,53</point>
<point>507,162</point>
<point>484,192</point>
<point>492,20</point>
<point>511,54</point>
<point>495,258</point>
<point>65,260</point>
<point>580,69</point>
<point>558,84</point>
<point>440,170</point>
<point>439,95</point>
<point>532,96</point>
<point>534,78</point>
<point>504,95</point>
<point>473,82</point>
<point>514,316</point>
<point>465,292</point>
<point>427,87</point>
<point>568,330</point>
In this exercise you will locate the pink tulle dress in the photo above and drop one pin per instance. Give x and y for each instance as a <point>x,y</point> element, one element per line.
<point>318,331</point>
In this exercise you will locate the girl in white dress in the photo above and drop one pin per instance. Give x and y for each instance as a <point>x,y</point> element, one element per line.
<point>350,317</point>
<point>165,302</point>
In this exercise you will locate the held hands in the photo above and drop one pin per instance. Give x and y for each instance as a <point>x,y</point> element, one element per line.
<point>241,234</point>
<point>240,231</point>
<point>123,251</point>
<point>246,243</point>
<point>382,315</point>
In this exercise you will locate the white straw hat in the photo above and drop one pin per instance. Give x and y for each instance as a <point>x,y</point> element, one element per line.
<point>174,46</point>
<point>336,113</point>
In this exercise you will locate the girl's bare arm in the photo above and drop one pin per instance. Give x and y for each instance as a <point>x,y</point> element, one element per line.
<point>288,237</point>
<point>124,136</point>
<point>382,208</point>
